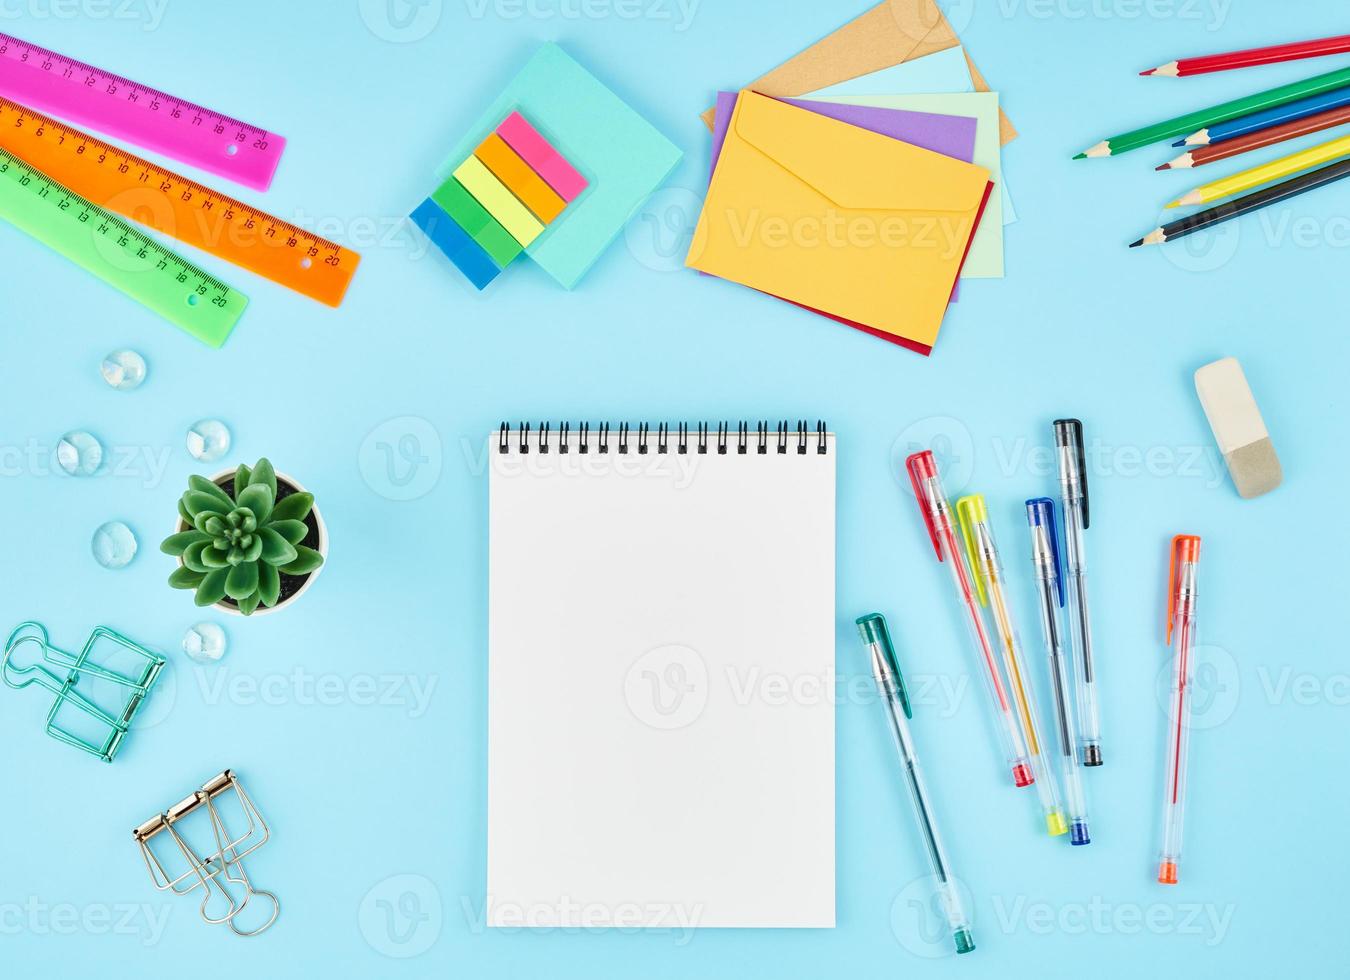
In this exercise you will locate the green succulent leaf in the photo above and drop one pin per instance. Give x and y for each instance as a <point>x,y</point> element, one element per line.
<point>258,500</point>
<point>192,556</point>
<point>269,584</point>
<point>200,521</point>
<point>216,556</point>
<point>293,531</point>
<point>306,561</point>
<point>183,512</point>
<point>296,507</point>
<point>212,588</point>
<point>242,581</point>
<point>248,604</point>
<point>241,477</point>
<point>215,524</point>
<point>264,474</point>
<point>176,544</point>
<point>185,578</point>
<point>234,518</point>
<point>198,503</point>
<point>276,550</point>
<point>203,485</point>
<point>235,556</point>
<point>253,547</point>
<point>250,523</point>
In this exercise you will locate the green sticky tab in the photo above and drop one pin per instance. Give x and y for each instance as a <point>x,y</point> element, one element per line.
<point>481,226</point>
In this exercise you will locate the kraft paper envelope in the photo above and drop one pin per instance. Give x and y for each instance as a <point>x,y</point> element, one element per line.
<point>891,33</point>
<point>837,218</point>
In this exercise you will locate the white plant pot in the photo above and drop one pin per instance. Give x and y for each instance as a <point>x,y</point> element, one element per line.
<point>322,549</point>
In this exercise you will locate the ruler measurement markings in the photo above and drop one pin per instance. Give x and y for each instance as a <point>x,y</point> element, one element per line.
<point>151,257</point>
<point>95,75</point>
<point>232,211</point>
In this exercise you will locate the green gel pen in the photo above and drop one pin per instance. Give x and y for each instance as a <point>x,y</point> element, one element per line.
<point>886,670</point>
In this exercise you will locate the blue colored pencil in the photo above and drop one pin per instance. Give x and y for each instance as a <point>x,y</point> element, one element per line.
<point>1266,118</point>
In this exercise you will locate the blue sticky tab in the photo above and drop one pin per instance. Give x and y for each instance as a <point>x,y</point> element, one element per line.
<point>457,244</point>
<point>1041,513</point>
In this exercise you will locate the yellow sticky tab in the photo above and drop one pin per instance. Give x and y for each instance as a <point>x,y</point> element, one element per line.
<point>970,510</point>
<point>490,192</point>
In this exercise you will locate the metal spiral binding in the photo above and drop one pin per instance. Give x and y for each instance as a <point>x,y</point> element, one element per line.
<point>544,435</point>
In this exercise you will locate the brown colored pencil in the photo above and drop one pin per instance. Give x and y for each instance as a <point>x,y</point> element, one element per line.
<point>1198,156</point>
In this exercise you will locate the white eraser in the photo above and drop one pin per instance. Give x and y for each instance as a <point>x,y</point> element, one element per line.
<point>1238,427</point>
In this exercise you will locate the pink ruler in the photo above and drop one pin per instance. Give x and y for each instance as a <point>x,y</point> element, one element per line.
<point>124,109</point>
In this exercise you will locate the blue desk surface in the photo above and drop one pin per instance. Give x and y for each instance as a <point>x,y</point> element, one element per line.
<point>356,718</point>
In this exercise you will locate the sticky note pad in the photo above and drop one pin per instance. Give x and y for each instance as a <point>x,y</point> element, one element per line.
<point>623,157</point>
<point>461,206</point>
<point>490,192</point>
<point>458,246</point>
<point>539,153</point>
<point>507,166</point>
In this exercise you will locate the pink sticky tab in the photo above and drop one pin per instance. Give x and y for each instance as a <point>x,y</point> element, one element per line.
<point>543,159</point>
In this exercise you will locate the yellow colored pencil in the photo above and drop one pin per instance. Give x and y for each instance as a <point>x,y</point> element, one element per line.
<point>1267,173</point>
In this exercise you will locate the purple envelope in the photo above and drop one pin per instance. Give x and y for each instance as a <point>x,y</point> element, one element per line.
<point>952,136</point>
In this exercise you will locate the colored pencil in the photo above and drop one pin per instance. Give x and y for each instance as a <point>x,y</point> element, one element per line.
<point>1202,118</point>
<point>1257,121</point>
<point>1271,55</point>
<point>1198,156</point>
<point>1245,205</point>
<point>1267,173</point>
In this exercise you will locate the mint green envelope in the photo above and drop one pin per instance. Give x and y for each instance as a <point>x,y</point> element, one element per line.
<point>621,155</point>
<point>985,260</point>
<point>942,71</point>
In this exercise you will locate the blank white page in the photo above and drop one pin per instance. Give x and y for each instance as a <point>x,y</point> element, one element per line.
<point>660,714</point>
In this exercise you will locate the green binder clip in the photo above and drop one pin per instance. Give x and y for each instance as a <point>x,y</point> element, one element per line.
<point>76,717</point>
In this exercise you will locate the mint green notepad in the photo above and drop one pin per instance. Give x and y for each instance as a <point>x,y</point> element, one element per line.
<point>621,155</point>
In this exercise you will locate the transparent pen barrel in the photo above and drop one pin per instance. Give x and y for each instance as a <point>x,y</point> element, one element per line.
<point>923,815</point>
<point>1025,702</point>
<point>1080,627</point>
<point>1061,687</point>
<point>1010,737</point>
<point>1178,748</point>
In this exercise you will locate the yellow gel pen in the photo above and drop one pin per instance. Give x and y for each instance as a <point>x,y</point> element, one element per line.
<point>989,581</point>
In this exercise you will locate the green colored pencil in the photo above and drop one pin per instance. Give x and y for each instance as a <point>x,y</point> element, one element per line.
<point>1189,123</point>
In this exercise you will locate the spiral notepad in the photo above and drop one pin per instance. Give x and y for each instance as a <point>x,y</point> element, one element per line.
<point>661,663</point>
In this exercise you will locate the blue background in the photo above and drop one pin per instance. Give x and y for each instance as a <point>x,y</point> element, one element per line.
<point>362,795</point>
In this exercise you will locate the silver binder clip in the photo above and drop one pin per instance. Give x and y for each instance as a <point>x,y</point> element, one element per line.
<point>221,873</point>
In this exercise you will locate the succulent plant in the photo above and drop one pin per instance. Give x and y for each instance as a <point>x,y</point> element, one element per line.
<point>240,546</point>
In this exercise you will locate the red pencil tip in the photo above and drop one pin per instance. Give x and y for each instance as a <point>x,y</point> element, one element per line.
<point>1149,71</point>
<point>1164,166</point>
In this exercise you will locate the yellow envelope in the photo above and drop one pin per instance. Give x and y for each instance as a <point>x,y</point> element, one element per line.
<point>837,218</point>
<point>891,33</point>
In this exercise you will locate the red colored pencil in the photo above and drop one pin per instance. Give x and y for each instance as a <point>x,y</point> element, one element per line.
<point>1198,156</point>
<point>1254,56</point>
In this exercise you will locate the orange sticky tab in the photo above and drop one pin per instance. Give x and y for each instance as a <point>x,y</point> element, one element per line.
<point>523,182</point>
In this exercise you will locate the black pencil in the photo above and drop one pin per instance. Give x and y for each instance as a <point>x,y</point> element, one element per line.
<point>1244,205</point>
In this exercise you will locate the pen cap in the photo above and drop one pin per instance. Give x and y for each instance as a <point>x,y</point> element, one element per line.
<point>1069,440</point>
<point>1185,549</point>
<point>874,632</point>
<point>970,511</point>
<point>1041,514</point>
<point>922,466</point>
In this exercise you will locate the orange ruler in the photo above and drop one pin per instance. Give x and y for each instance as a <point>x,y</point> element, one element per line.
<point>122,182</point>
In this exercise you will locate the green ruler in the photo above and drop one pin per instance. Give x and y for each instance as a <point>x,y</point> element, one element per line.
<point>117,253</point>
